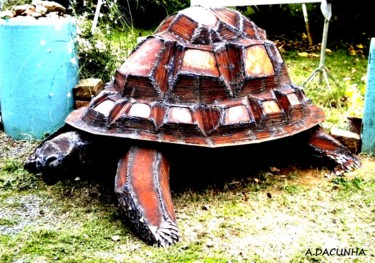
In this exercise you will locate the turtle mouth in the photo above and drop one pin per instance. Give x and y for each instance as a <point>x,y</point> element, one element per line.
<point>50,167</point>
<point>50,178</point>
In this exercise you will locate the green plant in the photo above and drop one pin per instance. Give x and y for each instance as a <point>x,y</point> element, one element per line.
<point>345,93</point>
<point>14,177</point>
<point>11,166</point>
<point>292,189</point>
<point>102,48</point>
<point>9,4</point>
<point>354,184</point>
<point>355,101</point>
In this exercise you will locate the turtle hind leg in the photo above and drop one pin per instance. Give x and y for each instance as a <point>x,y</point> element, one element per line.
<point>142,188</point>
<point>327,146</point>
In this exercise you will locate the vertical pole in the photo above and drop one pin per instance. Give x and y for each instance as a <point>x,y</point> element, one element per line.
<point>305,15</point>
<point>323,49</point>
<point>324,44</point>
<point>368,131</point>
<point>96,16</point>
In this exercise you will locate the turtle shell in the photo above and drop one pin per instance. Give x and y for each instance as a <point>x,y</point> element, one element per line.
<point>207,77</point>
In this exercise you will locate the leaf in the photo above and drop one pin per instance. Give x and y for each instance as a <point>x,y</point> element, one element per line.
<point>328,51</point>
<point>351,51</point>
<point>313,55</point>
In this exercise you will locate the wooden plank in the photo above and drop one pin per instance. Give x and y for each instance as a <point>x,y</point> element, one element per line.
<point>216,3</point>
<point>368,131</point>
<point>351,140</point>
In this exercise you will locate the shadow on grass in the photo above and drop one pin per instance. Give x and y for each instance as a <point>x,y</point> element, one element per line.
<point>200,168</point>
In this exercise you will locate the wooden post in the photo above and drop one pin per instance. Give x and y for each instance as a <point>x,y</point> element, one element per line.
<point>306,17</point>
<point>368,131</point>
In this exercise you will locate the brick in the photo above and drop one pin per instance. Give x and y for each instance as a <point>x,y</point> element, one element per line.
<point>86,89</point>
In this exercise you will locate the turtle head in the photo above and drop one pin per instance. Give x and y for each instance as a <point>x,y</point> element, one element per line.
<point>58,158</point>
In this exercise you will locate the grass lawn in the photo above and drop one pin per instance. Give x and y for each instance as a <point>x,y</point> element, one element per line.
<point>280,214</point>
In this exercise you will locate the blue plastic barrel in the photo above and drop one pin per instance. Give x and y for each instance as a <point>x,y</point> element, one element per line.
<point>368,131</point>
<point>38,70</point>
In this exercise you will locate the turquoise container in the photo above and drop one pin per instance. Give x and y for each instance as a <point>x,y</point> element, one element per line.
<point>38,71</point>
<point>368,120</point>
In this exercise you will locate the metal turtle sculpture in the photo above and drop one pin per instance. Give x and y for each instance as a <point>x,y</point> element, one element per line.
<point>208,77</point>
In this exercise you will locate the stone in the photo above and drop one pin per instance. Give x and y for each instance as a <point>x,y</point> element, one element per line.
<point>42,10</point>
<point>24,9</point>
<point>51,6</point>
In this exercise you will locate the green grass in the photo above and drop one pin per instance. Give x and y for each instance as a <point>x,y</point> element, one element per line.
<point>347,84</point>
<point>275,222</point>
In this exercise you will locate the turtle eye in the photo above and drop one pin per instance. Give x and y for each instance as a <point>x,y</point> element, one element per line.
<point>52,160</point>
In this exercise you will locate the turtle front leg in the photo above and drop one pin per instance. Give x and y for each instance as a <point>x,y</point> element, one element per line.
<point>326,145</point>
<point>142,187</point>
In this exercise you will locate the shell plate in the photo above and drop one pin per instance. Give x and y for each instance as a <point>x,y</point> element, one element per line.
<point>207,77</point>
